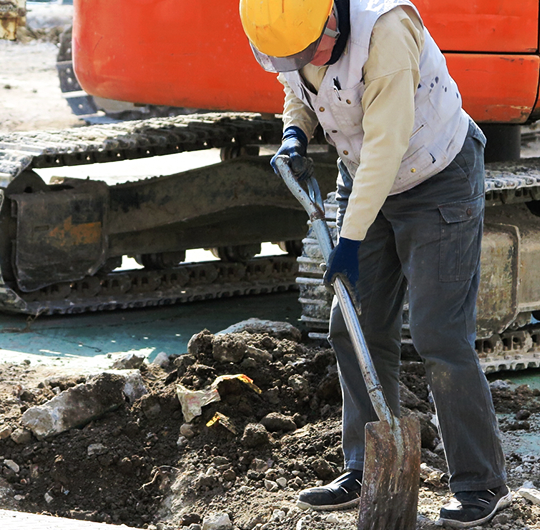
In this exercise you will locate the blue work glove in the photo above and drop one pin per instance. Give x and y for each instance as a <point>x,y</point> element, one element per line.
<point>343,261</point>
<point>294,145</point>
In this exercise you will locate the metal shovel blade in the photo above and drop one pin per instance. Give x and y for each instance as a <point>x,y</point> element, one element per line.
<point>391,478</point>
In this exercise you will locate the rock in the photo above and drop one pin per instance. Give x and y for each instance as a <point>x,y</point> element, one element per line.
<point>221,460</point>
<point>278,515</point>
<point>499,384</point>
<point>12,465</point>
<point>229,348</point>
<point>261,356</point>
<point>322,468</point>
<point>432,476</point>
<point>207,480</point>
<point>272,395</point>
<point>501,518</point>
<point>130,361</point>
<point>63,382</point>
<point>150,406</point>
<point>270,485</point>
<point>299,384</point>
<point>48,498</point>
<point>26,395</point>
<point>439,448</point>
<point>258,465</point>
<point>280,330</point>
<point>76,406</point>
<point>281,482</point>
<point>255,434</point>
<point>229,475</point>
<point>190,518</point>
<point>256,521</point>
<point>217,521</point>
<point>522,415</point>
<point>200,343</point>
<point>21,436</point>
<point>134,387</point>
<point>5,432</point>
<point>162,360</point>
<point>531,494</point>
<point>332,518</point>
<point>278,422</point>
<point>187,430</point>
<point>96,450</point>
<point>409,399</point>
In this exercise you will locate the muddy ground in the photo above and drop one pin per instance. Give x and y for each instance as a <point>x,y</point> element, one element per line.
<point>153,469</point>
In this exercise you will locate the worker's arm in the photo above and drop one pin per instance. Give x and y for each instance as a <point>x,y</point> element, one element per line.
<point>391,75</point>
<point>295,112</point>
<point>299,122</point>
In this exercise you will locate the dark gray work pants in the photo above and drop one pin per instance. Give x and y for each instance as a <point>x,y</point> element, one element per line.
<point>427,238</point>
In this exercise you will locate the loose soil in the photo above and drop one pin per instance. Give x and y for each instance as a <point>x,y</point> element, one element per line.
<point>152,469</point>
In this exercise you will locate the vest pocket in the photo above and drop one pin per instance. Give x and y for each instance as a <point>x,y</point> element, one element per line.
<point>414,168</point>
<point>461,238</point>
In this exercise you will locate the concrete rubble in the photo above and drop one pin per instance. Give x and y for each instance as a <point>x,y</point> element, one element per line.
<point>162,360</point>
<point>217,521</point>
<point>129,361</point>
<point>280,330</point>
<point>78,405</point>
<point>529,492</point>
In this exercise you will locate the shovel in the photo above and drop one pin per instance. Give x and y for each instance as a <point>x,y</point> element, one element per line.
<point>391,477</point>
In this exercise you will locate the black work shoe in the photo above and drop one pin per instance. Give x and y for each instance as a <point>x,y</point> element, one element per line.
<point>340,494</point>
<point>472,508</point>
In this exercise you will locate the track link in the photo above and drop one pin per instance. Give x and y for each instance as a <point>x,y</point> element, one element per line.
<point>131,140</point>
<point>189,282</point>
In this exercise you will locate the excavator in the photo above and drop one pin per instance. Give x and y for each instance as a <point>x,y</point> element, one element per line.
<point>61,242</point>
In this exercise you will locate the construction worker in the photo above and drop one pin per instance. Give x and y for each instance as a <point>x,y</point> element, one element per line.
<point>410,191</point>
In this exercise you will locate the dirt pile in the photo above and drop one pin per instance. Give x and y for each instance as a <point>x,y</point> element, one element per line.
<point>273,431</point>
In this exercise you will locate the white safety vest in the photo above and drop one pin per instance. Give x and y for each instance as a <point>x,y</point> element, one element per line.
<point>440,124</point>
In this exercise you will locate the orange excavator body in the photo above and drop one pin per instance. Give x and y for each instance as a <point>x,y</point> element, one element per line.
<point>195,54</point>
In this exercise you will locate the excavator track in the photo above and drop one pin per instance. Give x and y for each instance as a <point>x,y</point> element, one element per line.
<point>517,346</point>
<point>131,140</point>
<point>21,152</point>
<point>189,282</point>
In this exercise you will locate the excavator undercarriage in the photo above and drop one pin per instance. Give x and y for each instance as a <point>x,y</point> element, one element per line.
<point>60,242</point>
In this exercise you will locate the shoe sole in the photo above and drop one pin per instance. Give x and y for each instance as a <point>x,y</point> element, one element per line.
<point>504,502</point>
<point>329,507</point>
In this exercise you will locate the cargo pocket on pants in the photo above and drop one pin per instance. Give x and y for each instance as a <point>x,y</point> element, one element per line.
<point>461,239</point>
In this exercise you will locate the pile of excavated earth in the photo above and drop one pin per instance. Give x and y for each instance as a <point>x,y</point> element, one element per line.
<point>221,437</point>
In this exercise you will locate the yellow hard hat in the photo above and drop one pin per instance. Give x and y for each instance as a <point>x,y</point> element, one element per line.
<point>284,28</point>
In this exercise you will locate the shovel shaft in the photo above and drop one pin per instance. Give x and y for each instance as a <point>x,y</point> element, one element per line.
<point>314,207</point>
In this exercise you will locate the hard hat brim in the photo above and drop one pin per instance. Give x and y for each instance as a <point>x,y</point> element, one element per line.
<point>289,63</point>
